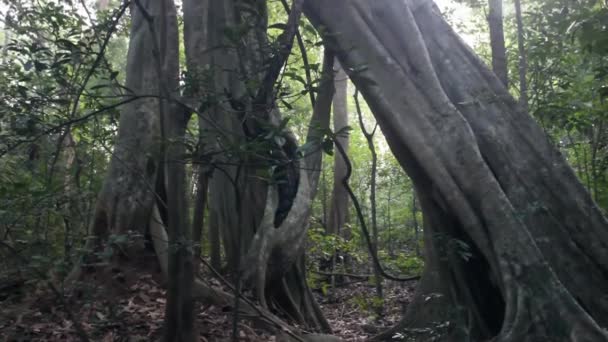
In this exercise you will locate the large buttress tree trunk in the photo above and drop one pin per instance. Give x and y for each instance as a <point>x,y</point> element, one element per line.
<point>515,246</point>
<point>127,197</point>
<point>263,224</point>
<point>237,195</point>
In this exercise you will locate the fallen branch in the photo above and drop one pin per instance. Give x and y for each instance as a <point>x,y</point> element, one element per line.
<point>350,275</point>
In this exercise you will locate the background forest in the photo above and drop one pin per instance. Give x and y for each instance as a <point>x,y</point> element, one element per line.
<point>63,80</point>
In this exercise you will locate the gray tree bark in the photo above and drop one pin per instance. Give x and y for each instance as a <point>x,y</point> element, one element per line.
<point>232,176</point>
<point>179,310</point>
<point>415,221</point>
<point>263,225</point>
<point>523,63</point>
<point>497,41</point>
<point>195,43</point>
<point>369,137</point>
<point>509,256</point>
<point>71,210</point>
<point>338,213</point>
<point>126,199</point>
<point>338,209</point>
<point>150,136</point>
<point>214,241</point>
<point>275,255</point>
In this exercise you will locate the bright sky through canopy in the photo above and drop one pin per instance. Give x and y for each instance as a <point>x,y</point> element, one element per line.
<point>461,13</point>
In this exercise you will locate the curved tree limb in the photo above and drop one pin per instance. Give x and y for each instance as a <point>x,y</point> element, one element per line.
<point>304,54</point>
<point>370,246</point>
<point>292,231</point>
<point>265,93</point>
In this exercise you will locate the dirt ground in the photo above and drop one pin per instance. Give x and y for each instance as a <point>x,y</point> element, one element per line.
<point>135,313</point>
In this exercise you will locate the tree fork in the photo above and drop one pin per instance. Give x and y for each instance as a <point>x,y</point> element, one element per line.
<point>285,241</point>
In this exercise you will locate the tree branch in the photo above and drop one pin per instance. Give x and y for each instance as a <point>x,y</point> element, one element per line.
<point>264,96</point>
<point>370,246</point>
<point>302,48</point>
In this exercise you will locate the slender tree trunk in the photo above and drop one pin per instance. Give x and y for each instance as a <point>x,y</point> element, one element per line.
<point>195,14</point>
<point>338,212</point>
<point>523,63</point>
<point>179,320</point>
<point>179,311</point>
<point>214,242</point>
<point>491,181</point>
<point>324,197</point>
<point>70,207</point>
<point>372,200</point>
<point>389,222</point>
<point>416,226</point>
<point>198,218</point>
<point>595,138</point>
<point>369,137</point>
<point>497,41</point>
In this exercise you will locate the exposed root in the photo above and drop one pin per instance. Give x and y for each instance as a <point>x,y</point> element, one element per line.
<point>284,241</point>
<point>210,295</point>
<point>309,338</point>
<point>255,262</point>
<point>558,319</point>
<point>160,241</point>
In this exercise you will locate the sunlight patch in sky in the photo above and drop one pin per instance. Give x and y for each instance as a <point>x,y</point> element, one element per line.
<point>461,14</point>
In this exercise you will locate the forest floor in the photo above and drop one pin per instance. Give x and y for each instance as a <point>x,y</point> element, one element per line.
<point>136,311</point>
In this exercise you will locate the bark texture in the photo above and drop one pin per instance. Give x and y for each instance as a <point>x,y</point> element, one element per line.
<point>523,63</point>
<point>489,180</point>
<point>179,310</point>
<point>497,41</point>
<point>195,44</point>
<point>127,197</point>
<point>214,241</point>
<point>369,137</point>
<point>263,221</point>
<point>338,213</point>
<point>234,184</point>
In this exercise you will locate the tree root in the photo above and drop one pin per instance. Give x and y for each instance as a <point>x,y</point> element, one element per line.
<point>210,295</point>
<point>558,318</point>
<point>309,338</point>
